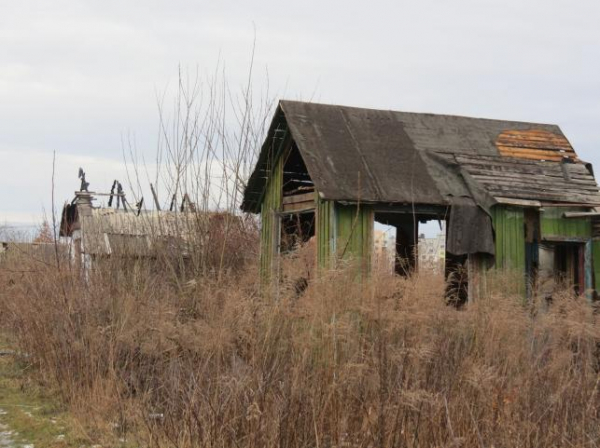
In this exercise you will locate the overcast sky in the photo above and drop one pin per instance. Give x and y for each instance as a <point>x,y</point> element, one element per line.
<point>78,76</point>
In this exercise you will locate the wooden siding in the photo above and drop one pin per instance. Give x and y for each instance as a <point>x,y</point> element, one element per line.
<point>269,238</point>
<point>596,263</point>
<point>325,233</point>
<point>509,226</point>
<point>556,228</point>
<point>354,233</point>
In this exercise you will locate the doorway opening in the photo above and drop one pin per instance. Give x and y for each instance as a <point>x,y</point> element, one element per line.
<point>405,243</point>
<point>561,266</point>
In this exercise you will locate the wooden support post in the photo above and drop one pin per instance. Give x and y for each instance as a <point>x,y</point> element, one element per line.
<point>406,246</point>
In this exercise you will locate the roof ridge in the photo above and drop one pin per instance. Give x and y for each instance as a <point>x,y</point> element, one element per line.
<point>431,114</point>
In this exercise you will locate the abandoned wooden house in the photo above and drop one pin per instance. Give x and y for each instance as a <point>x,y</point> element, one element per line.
<point>517,201</point>
<point>96,232</point>
<point>183,236</point>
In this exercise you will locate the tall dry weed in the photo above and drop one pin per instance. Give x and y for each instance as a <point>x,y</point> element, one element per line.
<point>216,362</point>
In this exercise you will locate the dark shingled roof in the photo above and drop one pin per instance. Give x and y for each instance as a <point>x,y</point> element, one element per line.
<point>367,155</point>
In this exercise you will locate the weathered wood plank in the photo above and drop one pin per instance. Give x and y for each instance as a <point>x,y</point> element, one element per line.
<point>559,185</point>
<point>533,135</point>
<point>575,179</point>
<point>299,206</point>
<point>296,198</point>
<point>557,171</point>
<point>525,149</point>
<point>535,145</point>
<point>519,202</point>
<point>534,154</point>
<point>501,160</point>
<point>542,188</point>
<point>528,193</point>
<point>536,140</point>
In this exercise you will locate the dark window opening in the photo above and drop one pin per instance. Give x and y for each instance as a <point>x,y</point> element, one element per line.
<point>569,266</point>
<point>296,179</point>
<point>561,265</point>
<point>297,247</point>
<point>296,230</point>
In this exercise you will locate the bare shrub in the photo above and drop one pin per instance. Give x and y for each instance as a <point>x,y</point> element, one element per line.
<point>380,363</point>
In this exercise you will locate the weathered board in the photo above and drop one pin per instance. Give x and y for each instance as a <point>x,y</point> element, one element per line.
<point>535,144</point>
<point>557,228</point>
<point>525,179</point>
<point>325,233</point>
<point>509,227</point>
<point>271,204</point>
<point>354,233</point>
<point>299,202</point>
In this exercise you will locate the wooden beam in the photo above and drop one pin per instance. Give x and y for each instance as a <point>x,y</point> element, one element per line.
<point>519,202</point>
<point>296,198</point>
<point>299,206</point>
<point>568,215</point>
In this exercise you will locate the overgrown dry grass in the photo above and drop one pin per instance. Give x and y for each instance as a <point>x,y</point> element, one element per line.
<point>212,362</point>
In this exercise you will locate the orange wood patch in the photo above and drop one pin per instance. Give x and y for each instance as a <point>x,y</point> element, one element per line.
<point>535,144</point>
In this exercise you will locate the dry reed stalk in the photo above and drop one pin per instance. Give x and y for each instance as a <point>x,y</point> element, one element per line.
<point>386,363</point>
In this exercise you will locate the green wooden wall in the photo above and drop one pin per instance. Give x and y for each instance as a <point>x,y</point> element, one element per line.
<point>555,227</point>
<point>354,233</point>
<point>344,232</point>
<point>596,264</point>
<point>326,235</point>
<point>509,224</point>
<point>509,227</point>
<point>271,205</point>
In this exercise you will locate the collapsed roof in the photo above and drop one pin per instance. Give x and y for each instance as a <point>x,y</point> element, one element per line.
<point>378,156</point>
<point>106,231</point>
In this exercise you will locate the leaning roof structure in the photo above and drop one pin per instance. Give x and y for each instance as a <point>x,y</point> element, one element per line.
<point>379,156</point>
<point>123,231</point>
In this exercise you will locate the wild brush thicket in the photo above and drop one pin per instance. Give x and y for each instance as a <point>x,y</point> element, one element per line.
<point>207,360</point>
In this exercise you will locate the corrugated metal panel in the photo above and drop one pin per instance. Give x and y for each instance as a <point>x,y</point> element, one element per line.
<point>509,226</point>
<point>269,238</point>
<point>555,227</point>
<point>354,233</point>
